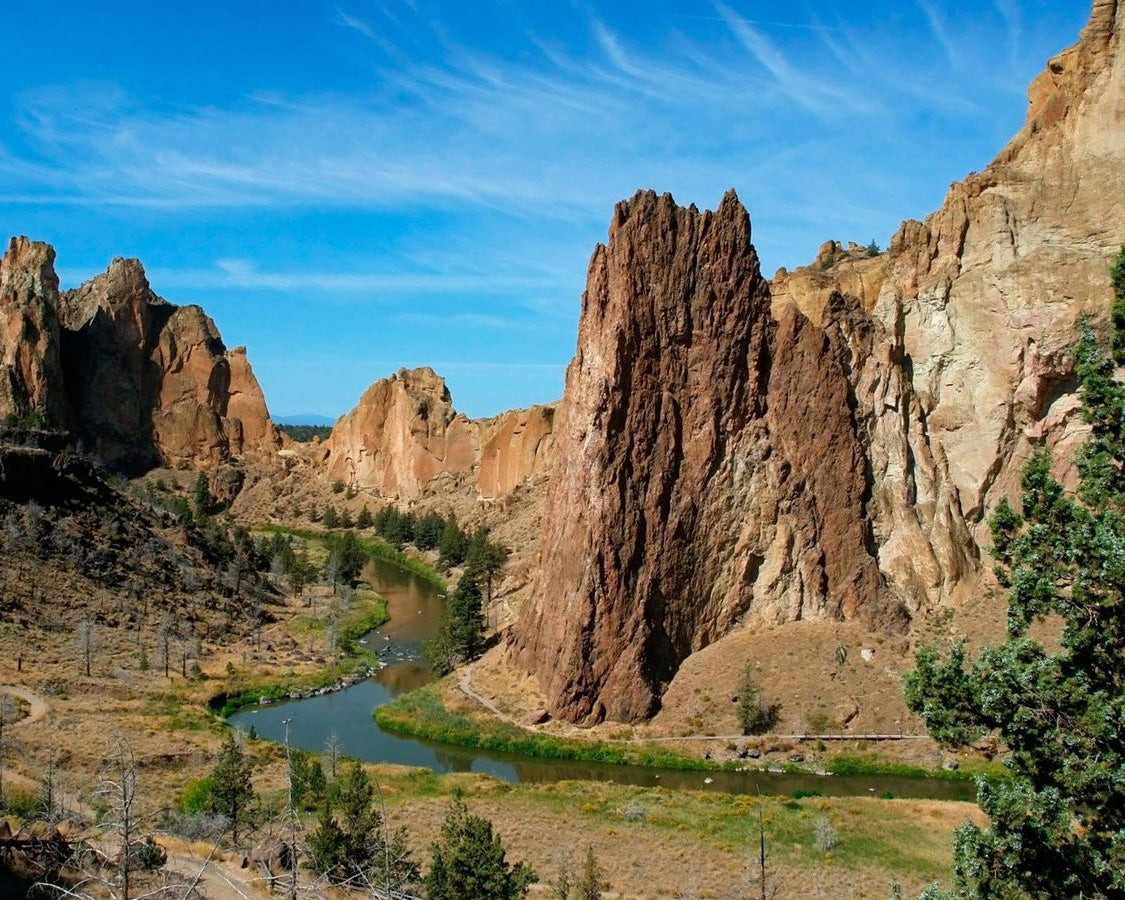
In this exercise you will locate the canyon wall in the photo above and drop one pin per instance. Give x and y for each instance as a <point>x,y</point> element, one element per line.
<point>404,439</point>
<point>139,381</point>
<point>729,455</point>
<point>30,365</point>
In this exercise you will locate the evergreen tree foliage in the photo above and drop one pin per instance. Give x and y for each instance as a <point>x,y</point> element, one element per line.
<point>231,789</point>
<point>364,519</point>
<point>330,518</point>
<point>484,559</point>
<point>469,862</point>
<point>460,636</point>
<point>1057,826</point>
<point>201,495</point>
<point>358,847</point>
<point>754,715</point>
<point>454,543</point>
<point>589,884</point>
<point>428,531</point>
<point>347,557</point>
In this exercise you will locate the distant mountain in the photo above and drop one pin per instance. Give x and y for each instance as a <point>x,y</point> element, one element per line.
<point>304,419</point>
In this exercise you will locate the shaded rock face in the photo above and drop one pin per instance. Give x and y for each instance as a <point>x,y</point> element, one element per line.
<point>404,438</point>
<point>150,382</point>
<point>138,380</point>
<point>30,366</point>
<point>730,455</point>
<point>709,468</point>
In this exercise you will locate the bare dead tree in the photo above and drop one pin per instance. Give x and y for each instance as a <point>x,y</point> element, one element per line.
<point>88,640</point>
<point>333,748</point>
<point>166,635</point>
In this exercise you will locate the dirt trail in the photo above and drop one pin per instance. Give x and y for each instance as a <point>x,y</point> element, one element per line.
<point>38,705</point>
<point>212,879</point>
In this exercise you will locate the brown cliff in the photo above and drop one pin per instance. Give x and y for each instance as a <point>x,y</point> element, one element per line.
<point>138,380</point>
<point>405,439</point>
<point>691,490</point>
<point>30,367</point>
<point>150,382</point>
<point>719,464</point>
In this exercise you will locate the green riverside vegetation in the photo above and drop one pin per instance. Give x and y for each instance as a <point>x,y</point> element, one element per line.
<point>422,714</point>
<point>372,546</point>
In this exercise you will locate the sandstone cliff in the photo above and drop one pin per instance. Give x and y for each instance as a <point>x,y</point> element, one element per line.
<point>831,451</point>
<point>138,380</point>
<point>404,439</point>
<point>30,368</point>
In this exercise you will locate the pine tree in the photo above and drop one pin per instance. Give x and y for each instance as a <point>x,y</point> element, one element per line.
<point>329,519</point>
<point>589,884</point>
<point>484,559</point>
<point>231,789</point>
<point>1057,825</point>
<point>364,520</point>
<point>359,846</point>
<point>202,497</point>
<point>454,543</point>
<point>754,716</point>
<point>469,862</point>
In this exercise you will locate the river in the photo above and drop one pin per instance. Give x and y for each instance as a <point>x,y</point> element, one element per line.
<point>415,608</point>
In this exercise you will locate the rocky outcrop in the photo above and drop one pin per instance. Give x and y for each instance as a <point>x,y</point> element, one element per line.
<point>150,382</point>
<point>515,446</point>
<point>726,456</point>
<point>30,368</point>
<point>137,380</point>
<point>401,435</point>
<point>690,490</point>
<point>404,439</point>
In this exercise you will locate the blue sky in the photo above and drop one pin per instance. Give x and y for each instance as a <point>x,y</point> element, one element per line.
<point>352,187</point>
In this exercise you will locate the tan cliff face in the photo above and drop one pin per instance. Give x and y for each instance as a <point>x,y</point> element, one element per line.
<point>729,456</point>
<point>404,439</point>
<point>138,380</point>
<point>30,367</point>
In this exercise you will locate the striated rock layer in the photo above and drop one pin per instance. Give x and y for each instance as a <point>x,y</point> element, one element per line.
<point>139,381</point>
<point>831,451</point>
<point>404,439</point>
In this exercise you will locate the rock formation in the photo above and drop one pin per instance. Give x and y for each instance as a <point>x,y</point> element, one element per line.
<point>515,446</point>
<point>30,369</point>
<point>404,438</point>
<point>691,487</point>
<point>726,456</point>
<point>138,380</point>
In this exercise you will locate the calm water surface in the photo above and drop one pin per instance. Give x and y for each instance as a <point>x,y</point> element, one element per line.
<point>415,608</point>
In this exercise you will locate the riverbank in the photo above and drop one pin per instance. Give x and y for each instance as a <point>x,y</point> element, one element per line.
<point>370,545</point>
<point>433,713</point>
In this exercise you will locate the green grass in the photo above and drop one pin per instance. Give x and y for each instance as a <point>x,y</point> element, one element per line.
<point>873,764</point>
<point>372,546</point>
<point>364,615</point>
<point>421,714</point>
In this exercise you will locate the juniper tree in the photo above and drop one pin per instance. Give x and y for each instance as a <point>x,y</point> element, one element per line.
<point>231,790</point>
<point>1057,826</point>
<point>469,862</point>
